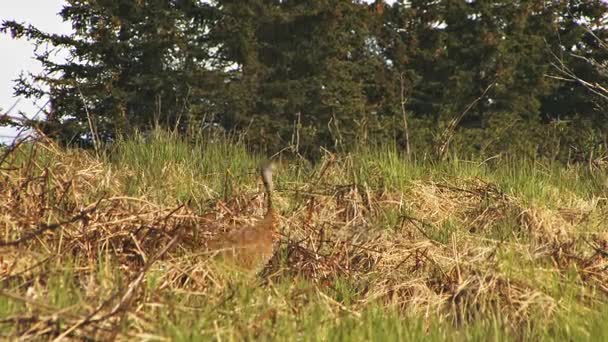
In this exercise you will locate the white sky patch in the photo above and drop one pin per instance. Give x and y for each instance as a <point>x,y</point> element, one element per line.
<point>17,54</point>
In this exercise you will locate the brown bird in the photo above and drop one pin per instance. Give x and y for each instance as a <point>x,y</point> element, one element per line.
<point>250,248</point>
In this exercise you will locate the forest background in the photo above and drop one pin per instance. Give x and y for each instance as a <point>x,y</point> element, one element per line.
<point>472,78</point>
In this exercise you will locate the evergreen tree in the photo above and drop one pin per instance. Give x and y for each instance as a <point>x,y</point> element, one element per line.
<point>443,75</point>
<point>577,116</point>
<point>130,63</point>
<point>456,50</point>
<point>300,66</point>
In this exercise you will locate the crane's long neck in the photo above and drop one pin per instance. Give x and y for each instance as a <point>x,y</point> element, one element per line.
<point>268,185</point>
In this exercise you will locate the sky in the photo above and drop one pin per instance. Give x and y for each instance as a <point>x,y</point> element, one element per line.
<point>17,54</point>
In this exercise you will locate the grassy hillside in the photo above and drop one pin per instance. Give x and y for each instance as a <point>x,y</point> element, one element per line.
<point>372,247</point>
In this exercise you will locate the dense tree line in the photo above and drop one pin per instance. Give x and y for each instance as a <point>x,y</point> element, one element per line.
<point>435,76</point>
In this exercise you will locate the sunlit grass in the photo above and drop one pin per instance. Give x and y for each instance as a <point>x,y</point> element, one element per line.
<point>481,238</point>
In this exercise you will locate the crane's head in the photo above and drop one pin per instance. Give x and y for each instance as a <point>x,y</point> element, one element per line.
<point>266,169</point>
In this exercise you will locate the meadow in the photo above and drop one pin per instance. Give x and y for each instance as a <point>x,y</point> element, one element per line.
<point>373,247</point>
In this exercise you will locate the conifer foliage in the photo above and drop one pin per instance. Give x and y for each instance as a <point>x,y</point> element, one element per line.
<point>476,76</point>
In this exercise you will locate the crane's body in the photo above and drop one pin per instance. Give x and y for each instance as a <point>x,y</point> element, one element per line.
<point>250,248</point>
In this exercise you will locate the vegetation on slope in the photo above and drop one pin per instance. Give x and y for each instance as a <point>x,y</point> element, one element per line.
<point>373,247</point>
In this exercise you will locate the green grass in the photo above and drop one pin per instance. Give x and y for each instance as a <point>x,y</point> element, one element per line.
<point>499,279</point>
<point>167,167</point>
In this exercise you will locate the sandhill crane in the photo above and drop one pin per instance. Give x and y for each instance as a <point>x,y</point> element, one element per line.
<point>250,248</point>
